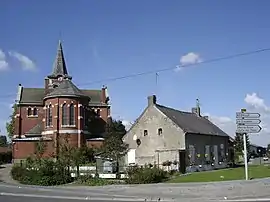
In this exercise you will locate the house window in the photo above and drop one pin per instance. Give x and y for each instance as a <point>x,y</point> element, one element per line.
<point>71,115</point>
<point>64,115</point>
<point>145,132</point>
<point>50,115</point>
<point>98,112</point>
<point>159,131</point>
<point>29,111</point>
<point>191,154</point>
<point>35,113</point>
<point>222,152</point>
<point>207,153</point>
<point>138,141</point>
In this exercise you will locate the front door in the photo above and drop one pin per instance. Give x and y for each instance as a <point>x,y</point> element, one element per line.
<point>182,161</point>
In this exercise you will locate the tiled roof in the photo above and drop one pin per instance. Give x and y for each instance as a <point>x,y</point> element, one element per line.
<point>59,68</point>
<point>36,130</point>
<point>66,88</point>
<point>36,95</point>
<point>95,95</point>
<point>190,122</point>
<point>32,95</point>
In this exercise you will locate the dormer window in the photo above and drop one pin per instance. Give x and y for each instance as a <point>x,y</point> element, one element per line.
<point>145,133</point>
<point>160,131</point>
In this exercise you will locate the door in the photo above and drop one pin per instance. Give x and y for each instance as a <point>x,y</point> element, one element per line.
<point>182,161</point>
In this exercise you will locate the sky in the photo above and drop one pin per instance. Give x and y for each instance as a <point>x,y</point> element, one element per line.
<point>105,39</point>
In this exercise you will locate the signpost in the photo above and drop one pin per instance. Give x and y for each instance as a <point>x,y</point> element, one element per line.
<point>247,123</point>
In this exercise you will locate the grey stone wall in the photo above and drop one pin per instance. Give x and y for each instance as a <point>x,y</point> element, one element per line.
<point>155,148</point>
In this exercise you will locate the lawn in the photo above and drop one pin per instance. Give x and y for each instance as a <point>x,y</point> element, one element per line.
<point>224,174</point>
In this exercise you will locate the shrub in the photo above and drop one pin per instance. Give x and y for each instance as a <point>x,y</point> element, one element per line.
<point>145,175</point>
<point>5,157</point>
<point>46,173</point>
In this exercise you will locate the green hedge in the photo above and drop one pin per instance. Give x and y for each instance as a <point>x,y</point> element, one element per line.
<point>146,175</point>
<point>48,173</point>
<point>5,157</point>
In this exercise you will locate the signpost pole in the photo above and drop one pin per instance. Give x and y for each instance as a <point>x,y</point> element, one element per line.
<point>247,123</point>
<point>245,154</point>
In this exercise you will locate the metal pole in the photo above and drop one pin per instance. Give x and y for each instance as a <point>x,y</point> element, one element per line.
<point>245,154</point>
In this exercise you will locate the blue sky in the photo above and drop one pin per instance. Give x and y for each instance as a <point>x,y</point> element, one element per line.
<point>107,39</point>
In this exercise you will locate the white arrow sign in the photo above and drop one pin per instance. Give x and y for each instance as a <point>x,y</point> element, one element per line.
<point>248,121</point>
<point>248,129</point>
<point>240,115</point>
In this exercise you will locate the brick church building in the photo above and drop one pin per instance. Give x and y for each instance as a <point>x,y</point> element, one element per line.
<point>59,110</point>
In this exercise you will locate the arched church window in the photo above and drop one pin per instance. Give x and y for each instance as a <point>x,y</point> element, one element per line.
<point>64,114</point>
<point>71,115</point>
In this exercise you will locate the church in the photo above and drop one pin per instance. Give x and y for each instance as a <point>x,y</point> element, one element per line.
<point>59,111</point>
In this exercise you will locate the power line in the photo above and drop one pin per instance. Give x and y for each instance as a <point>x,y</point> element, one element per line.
<point>168,69</point>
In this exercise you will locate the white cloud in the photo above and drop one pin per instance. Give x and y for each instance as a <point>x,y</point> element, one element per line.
<point>189,59</point>
<point>256,104</point>
<point>3,62</point>
<point>27,63</point>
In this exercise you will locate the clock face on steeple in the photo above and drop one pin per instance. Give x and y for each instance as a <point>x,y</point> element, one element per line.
<point>60,78</point>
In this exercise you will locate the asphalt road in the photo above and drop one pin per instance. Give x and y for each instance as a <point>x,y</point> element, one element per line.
<point>238,191</point>
<point>33,199</point>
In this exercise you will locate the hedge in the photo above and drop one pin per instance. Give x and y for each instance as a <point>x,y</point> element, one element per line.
<point>5,157</point>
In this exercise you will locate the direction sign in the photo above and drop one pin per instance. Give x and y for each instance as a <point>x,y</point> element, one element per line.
<point>248,129</point>
<point>248,121</point>
<point>240,115</point>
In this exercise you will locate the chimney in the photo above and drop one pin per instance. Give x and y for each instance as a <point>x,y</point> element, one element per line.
<point>196,110</point>
<point>152,100</point>
<point>103,94</point>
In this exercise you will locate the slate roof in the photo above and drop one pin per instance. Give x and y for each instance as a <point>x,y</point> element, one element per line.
<point>66,88</point>
<point>36,130</point>
<point>191,123</point>
<point>36,95</point>
<point>59,67</point>
<point>32,95</point>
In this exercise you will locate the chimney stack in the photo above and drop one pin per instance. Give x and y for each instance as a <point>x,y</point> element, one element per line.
<point>152,100</point>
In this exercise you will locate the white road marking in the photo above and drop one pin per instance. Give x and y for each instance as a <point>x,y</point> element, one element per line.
<point>67,197</point>
<point>247,200</point>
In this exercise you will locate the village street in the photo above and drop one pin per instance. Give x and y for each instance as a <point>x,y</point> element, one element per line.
<point>252,190</point>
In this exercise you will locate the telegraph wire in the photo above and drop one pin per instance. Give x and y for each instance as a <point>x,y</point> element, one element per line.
<point>157,71</point>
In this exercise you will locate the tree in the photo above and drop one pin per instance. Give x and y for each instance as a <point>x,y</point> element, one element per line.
<point>10,126</point>
<point>3,141</point>
<point>113,146</point>
<point>239,146</point>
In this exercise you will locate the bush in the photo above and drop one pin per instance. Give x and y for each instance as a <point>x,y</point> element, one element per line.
<point>46,173</point>
<point>93,181</point>
<point>146,175</point>
<point>5,157</point>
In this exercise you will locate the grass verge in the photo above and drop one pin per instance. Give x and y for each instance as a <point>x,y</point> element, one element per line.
<point>255,172</point>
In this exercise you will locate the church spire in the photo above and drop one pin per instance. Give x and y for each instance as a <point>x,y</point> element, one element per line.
<point>59,67</point>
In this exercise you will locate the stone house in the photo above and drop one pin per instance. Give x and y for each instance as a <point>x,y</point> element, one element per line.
<point>187,139</point>
<point>58,111</point>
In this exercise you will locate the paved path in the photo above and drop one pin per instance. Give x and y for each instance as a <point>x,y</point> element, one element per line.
<point>5,174</point>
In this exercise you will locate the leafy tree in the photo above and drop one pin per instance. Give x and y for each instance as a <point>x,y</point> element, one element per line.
<point>10,126</point>
<point>40,148</point>
<point>3,141</point>
<point>113,146</point>
<point>239,146</point>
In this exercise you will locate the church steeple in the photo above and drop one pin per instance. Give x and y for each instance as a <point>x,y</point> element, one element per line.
<point>59,67</point>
